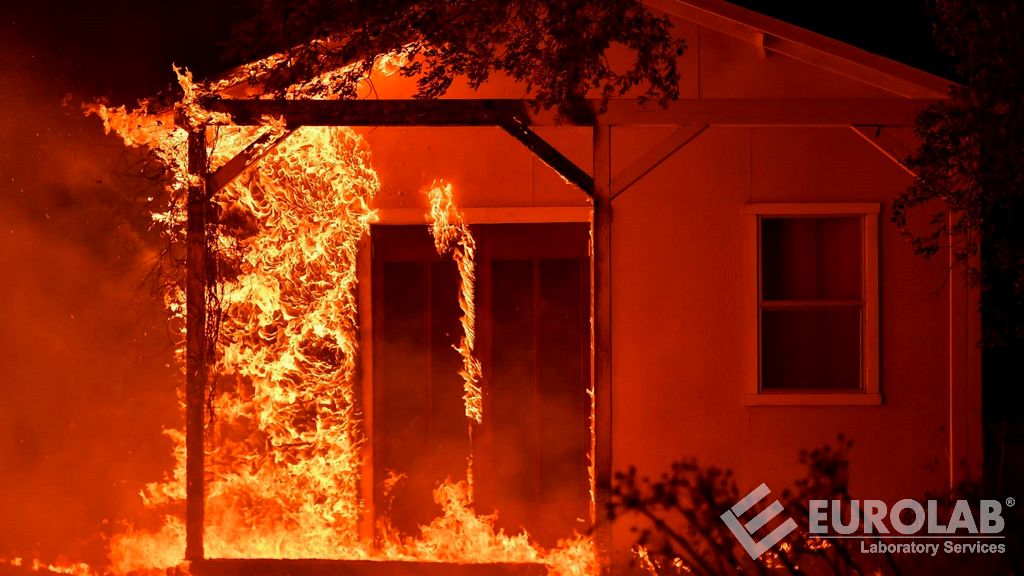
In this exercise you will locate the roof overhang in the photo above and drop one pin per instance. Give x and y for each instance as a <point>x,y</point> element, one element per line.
<point>800,44</point>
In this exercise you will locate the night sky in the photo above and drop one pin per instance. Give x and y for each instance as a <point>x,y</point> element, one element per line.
<point>75,248</point>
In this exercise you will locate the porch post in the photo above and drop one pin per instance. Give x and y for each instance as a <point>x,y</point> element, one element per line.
<point>602,321</point>
<point>196,370</point>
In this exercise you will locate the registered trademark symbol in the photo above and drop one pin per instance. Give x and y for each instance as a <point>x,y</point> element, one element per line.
<point>1010,502</point>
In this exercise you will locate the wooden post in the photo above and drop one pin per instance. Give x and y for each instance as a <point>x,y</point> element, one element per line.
<point>364,309</point>
<point>196,370</point>
<point>602,326</point>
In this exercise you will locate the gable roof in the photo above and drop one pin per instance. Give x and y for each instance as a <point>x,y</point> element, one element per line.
<point>772,35</point>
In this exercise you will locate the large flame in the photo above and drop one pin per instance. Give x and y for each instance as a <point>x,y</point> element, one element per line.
<point>284,456</point>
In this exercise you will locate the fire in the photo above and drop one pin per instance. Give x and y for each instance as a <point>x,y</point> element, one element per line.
<point>286,444</point>
<point>73,569</point>
<point>451,234</point>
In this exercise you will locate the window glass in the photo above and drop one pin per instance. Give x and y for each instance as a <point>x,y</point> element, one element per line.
<point>811,258</point>
<point>811,349</point>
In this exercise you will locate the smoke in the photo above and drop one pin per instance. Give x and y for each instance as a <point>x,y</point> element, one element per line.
<point>87,379</point>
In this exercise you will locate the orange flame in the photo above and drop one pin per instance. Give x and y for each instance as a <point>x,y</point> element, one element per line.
<point>284,457</point>
<point>451,234</point>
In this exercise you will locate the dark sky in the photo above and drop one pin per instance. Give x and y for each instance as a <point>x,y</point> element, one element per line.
<point>897,29</point>
<point>85,361</point>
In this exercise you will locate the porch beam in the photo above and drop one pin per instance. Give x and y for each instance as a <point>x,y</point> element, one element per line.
<point>442,112</point>
<point>839,112</point>
<point>499,112</point>
<point>551,156</point>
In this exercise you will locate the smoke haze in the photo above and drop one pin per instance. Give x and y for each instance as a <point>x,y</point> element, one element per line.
<point>87,379</point>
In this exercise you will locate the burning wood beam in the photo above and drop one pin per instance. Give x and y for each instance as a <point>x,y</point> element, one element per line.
<point>246,158</point>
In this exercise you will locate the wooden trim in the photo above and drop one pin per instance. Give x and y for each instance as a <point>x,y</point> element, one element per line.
<point>870,337</point>
<point>753,385</point>
<point>812,399</point>
<point>812,209</point>
<point>492,215</point>
<point>654,157</point>
<point>809,304</point>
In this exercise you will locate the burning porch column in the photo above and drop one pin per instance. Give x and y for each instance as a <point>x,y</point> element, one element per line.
<point>196,346</point>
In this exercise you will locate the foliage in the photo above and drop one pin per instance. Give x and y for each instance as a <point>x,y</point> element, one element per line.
<point>558,48</point>
<point>971,161</point>
<point>680,530</point>
<point>683,531</point>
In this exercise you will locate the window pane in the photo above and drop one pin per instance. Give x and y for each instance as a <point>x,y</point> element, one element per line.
<point>811,258</point>
<point>811,349</point>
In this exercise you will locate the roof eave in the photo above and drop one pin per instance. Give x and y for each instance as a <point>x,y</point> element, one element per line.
<point>807,46</point>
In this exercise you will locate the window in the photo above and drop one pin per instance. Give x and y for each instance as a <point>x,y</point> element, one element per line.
<point>533,339</point>
<point>817,309</point>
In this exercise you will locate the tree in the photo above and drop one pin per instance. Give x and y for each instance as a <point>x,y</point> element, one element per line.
<point>558,48</point>
<point>971,161</point>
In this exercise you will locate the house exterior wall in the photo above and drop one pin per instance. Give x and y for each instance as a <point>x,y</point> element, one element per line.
<point>487,167</point>
<point>684,288</point>
<point>684,318</point>
<point>684,277</point>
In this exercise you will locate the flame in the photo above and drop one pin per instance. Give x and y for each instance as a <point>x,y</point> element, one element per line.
<point>461,535</point>
<point>285,451</point>
<point>72,569</point>
<point>451,234</point>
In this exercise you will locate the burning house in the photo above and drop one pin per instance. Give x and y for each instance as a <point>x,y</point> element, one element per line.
<point>422,334</point>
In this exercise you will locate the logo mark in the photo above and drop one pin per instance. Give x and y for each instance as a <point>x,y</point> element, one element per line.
<point>745,532</point>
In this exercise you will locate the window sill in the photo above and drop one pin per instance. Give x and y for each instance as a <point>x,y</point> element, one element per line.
<point>813,399</point>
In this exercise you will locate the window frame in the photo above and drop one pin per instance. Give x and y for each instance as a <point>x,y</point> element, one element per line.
<point>869,393</point>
